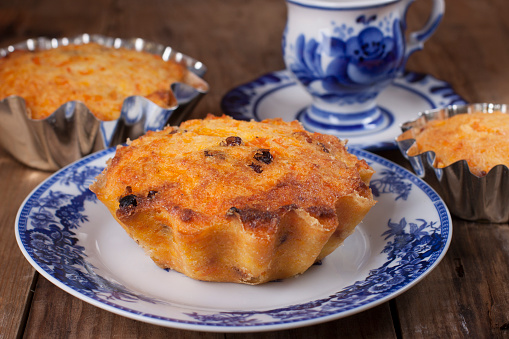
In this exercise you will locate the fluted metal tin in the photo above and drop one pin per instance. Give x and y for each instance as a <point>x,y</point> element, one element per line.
<point>72,131</point>
<point>468,196</point>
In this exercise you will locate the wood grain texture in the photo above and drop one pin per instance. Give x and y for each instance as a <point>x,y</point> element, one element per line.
<point>466,296</point>
<point>469,49</point>
<point>57,314</point>
<point>16,274</point>
<point>374,323</point>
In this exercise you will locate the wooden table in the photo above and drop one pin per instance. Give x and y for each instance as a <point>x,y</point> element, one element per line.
<point>467,295</point>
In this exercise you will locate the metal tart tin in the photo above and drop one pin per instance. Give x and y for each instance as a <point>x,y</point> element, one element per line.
<point>72,131</point>
<point>467,195</point>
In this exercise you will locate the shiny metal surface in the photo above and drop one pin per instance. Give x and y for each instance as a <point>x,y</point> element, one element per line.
<point>467,196</point>
<point>72,131</point>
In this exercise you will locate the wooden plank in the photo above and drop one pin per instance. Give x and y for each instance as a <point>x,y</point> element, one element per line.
<point>225,36</point>
<point>57,314</point>
<point>54,312</point>
<point>374,323</point>
<point>16,274</point>
<point>469,49</point>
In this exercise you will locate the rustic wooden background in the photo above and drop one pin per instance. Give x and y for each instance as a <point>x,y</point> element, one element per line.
<point>467,295</point>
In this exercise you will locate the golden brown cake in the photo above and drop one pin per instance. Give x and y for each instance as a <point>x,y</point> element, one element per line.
<point>482,139</point>
<point>100,77</point>
<point>233,201</point>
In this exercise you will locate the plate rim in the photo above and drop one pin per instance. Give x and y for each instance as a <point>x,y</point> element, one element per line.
<point>195,325</point>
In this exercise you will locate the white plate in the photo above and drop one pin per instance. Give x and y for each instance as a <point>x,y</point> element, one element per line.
<point>277,94</point>
<point>73,241</point>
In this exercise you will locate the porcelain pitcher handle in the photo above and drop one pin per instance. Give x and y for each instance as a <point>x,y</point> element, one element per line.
<point>416,39</point>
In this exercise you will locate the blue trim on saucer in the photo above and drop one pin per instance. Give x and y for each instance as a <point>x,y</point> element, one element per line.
<point>416,92</point>
<point>326,115</point>
<point>386,119</point>
<point>260,99</point>
<point>243,102</point>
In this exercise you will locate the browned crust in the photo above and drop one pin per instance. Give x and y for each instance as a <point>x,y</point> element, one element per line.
<point>99,76</point>
<point>262,206</point>
<point>481,139</point>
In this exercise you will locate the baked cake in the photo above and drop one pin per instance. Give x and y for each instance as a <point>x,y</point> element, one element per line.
<point>482,139</point>
<point>101,77</point>
<point>234,201</point>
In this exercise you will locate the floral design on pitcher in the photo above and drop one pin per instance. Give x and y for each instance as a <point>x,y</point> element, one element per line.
<point>349,69</point>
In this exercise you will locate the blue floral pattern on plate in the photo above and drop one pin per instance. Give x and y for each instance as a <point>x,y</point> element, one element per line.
<point>57,218</point>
